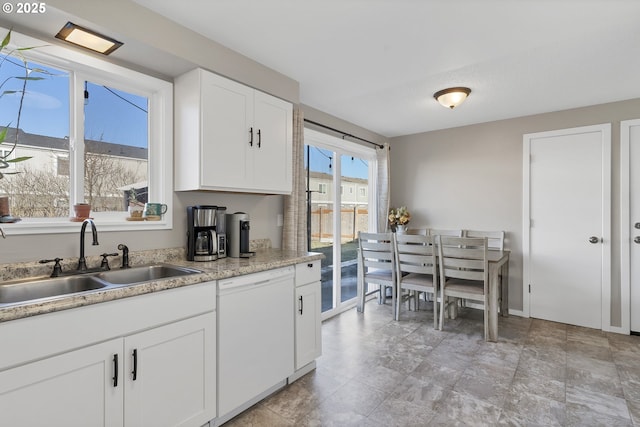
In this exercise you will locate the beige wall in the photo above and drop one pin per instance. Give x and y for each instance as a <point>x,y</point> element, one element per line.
<point>471,177</point>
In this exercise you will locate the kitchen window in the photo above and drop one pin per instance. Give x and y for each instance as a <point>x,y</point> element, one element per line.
<point>94,131</point>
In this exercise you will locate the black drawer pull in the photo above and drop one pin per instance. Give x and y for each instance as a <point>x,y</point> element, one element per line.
<point>115,370</point>
<point>134,373</point>
<point>301,304</point>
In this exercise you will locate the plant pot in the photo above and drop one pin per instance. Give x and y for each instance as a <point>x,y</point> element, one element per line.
<point>82,210</point>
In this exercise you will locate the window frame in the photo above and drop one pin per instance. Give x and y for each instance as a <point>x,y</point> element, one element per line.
<point>159,92</point>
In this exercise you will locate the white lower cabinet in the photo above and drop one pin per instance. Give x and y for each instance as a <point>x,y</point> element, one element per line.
<point>169,379</point>
<point>308,332</point>
<point>72,389</point>
<point>163,377</point>
<point>137,373</point>
<point>308,325</point>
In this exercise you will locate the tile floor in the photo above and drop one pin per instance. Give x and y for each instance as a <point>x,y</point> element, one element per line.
<point>375,371</point>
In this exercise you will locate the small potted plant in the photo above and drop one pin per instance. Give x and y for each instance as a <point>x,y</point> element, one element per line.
<point>82,210</point>
<point>135,207</point>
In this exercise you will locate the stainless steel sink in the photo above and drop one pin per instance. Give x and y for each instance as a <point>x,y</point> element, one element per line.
<point>27,290</point>
<point>145,274</point>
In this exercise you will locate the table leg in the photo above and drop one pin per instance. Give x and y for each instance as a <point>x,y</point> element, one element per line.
<point>504,306</point>
<point>494,278</point>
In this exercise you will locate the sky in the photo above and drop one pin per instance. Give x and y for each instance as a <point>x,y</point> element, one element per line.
<point>352,167</point>
<point>110,115</point>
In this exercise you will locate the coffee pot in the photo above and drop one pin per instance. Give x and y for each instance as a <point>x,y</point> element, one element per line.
<point>202,239</point>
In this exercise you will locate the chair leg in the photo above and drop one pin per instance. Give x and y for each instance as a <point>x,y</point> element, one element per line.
<point>442,309</point>
<point>397,305</point>
<point>435,311</point>
<point>486,318</point>
<point>360,291</point>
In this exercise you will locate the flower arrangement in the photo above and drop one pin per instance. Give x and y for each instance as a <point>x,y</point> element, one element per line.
<point>400,216</point>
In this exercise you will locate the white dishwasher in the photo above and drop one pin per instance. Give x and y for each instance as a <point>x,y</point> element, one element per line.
<point>255,337</point>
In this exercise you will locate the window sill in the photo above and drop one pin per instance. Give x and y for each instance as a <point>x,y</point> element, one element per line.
<point>64,225</point>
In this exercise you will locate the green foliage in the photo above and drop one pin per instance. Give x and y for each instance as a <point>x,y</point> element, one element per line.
<point>5,161</point>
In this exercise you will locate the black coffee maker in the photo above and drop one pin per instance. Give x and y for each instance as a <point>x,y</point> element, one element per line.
<point>202,239</point>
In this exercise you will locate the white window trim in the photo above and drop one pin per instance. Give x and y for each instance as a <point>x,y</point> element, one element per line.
<point>160,161</point>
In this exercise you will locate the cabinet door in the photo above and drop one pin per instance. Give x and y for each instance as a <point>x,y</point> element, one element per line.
<point>227,117</point>
<point>308,324</point>
<point>272,154</point>
<point>170,374</point>
<point>72,389</point>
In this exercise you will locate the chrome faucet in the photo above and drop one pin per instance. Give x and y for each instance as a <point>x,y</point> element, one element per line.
<point>82,263</point>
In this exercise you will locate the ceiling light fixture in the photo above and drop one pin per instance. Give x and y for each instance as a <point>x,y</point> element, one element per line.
<point>88,39</point>
<point>452,97</point>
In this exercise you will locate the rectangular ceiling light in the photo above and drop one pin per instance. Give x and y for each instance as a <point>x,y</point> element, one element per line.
<point>88,39</point>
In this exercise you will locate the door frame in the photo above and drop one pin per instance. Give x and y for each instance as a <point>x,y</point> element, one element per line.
<point>625,217</point>
<point>605,131</point>
<point>337,145</point>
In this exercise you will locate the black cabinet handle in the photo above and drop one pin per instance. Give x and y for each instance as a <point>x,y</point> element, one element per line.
<point>134,373</point>
<point>310,265</point>
<point>115,370</point>
<point>259,138</point>
<point>301,304</point>
<point>251,137</point>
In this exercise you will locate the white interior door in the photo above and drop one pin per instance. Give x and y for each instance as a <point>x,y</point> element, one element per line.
<point>630,224</point>
<point>569,225</point>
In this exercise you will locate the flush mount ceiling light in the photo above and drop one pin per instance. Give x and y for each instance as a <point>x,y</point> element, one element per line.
<point>452,97</point>
<point>88,39</point>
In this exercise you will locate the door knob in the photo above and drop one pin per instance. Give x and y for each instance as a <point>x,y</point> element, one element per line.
<point>593,239</point>
<point>636,239</point>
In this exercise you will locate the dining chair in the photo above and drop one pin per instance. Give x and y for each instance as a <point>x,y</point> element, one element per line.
<point>495,242</point>
<point>376,266</point>
<point>464,273</point>
<point>495,239</point>
<point>416,270</point>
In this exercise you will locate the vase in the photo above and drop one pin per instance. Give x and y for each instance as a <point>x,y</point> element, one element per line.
<point>401,229</point>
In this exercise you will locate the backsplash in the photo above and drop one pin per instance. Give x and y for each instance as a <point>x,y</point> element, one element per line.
<point>16,271</point>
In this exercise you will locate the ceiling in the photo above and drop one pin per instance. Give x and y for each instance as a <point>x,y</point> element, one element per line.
<point>377,63</point>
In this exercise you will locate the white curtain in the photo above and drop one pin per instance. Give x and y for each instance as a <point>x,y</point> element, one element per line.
<point>384,187</point>
<point>294,231</point>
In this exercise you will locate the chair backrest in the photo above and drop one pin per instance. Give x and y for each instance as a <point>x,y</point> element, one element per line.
<point>463,258</point>
<point>442,232</point>
<point>375,251</point>
<point>495,238</point>
<point>415,253</point>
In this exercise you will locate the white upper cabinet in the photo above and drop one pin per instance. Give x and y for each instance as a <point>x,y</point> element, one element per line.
<point>230,137</point>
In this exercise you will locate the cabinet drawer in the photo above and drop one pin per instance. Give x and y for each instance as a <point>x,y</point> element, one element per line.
<point>307,272</point>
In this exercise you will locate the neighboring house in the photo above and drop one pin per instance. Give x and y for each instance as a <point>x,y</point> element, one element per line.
<point>41,188</point>
<point>354,209</point>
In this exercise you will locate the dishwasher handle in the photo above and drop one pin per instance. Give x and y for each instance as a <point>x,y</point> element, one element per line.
<point>256,279</point>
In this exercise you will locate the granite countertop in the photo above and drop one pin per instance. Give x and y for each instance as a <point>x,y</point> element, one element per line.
<point>265,259</point>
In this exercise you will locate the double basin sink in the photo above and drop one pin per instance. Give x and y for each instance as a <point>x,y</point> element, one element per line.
<point>27,290</point>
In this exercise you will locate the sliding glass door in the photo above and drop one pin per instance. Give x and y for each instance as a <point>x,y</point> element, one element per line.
<point>341,190</point>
